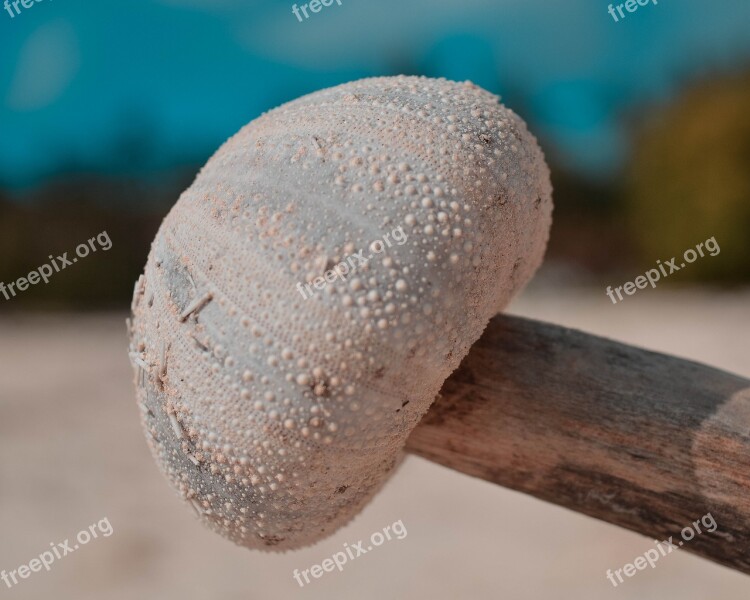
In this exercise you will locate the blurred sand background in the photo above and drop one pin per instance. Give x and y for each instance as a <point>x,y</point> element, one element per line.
<point>72,453</point>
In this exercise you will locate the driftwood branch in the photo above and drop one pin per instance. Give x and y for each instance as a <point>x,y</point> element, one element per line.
<point>646,441</point>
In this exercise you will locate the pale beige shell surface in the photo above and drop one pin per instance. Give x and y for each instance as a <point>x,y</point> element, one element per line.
<point>278,416</point>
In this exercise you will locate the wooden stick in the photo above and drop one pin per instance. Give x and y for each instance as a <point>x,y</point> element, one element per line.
<point>646,441</point>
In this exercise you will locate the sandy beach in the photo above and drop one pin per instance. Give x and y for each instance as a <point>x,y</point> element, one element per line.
<point>73,453</point>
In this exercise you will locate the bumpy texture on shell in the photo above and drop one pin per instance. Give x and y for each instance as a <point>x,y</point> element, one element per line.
<point>276,416</point>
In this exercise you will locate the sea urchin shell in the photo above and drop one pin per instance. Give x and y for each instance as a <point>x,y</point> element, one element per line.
<point>276,415</point>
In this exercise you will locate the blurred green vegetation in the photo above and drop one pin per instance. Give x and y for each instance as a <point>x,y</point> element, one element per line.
<point>58,216</point>
<point>689,180</point>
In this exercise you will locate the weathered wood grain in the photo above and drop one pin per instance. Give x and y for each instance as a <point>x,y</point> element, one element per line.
<point>646,441</point>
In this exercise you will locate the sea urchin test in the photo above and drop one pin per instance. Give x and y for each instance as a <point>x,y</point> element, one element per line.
<point>277,418</point>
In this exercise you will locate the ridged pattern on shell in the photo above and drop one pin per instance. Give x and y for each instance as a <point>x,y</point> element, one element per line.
<point>278,417</point>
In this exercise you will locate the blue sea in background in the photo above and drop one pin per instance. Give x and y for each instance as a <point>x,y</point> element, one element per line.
<point>141,86</point>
